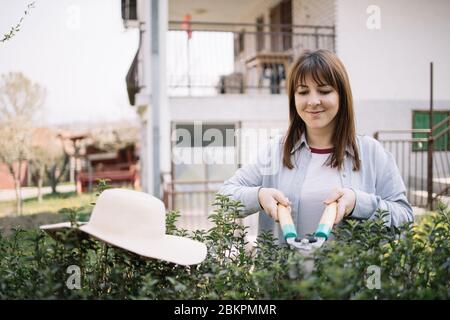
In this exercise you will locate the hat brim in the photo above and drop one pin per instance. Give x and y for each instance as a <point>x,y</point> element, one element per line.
<point>58,226</point>
<point>174,249</point>
<point>169,248</point>
<point>54,230</point>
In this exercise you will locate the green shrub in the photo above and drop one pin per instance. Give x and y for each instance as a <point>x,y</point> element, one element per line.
<point>414,263</point>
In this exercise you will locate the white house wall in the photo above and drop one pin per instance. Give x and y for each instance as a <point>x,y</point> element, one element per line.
<point>228,108</point>
<point>313,12</point>
<point>389,67</point>
<point>143,97</point>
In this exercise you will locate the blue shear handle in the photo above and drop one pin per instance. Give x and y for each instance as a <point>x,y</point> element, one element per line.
<point>289,231</point>
<point>327,221</point>
<point>323,231</point>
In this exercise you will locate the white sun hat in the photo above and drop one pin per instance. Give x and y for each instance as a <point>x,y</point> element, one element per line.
<point>136,221</point>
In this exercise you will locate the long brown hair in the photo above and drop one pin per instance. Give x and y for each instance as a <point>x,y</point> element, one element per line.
<point>325,68</point>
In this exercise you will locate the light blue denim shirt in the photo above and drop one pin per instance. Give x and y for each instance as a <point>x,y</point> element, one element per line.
<point>377,185</point>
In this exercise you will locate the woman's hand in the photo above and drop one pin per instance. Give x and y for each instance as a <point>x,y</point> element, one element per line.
<point>346,199</point>
<point>269,198</point>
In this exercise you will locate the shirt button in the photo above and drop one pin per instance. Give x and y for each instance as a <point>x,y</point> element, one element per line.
<point>344,175</point>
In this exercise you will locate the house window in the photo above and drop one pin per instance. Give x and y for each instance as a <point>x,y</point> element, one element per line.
<point>204,152</point>
<point>421,120</point>
<point>129,10</point>
<point>260,34</point>
<point>207,135</point>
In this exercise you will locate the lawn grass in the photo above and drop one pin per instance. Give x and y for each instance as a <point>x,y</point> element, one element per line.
<point>51,203</point>
<point>37,213</point>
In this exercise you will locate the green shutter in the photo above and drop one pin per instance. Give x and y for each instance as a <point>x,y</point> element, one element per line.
<point>441,143</point>
<point>422,121</point>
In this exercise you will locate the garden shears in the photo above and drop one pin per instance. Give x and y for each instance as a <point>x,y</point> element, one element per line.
<point>311,242</point>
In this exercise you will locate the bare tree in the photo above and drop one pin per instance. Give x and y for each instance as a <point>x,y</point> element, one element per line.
<point>20,100</point>
<point>57,169</point>
<point>47,156</point>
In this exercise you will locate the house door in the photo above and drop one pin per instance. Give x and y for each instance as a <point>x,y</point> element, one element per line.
<point>281,26</point>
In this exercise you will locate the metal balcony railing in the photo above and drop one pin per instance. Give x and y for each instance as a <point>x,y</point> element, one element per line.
<point>425,185</point>
<point>193,199</point>
<point>222,58</point>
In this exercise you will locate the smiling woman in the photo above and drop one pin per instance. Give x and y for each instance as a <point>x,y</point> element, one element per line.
<point>317,105</point>
<point>320,159</point>
<point>321,106</point>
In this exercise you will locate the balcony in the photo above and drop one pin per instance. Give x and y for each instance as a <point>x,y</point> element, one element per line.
<point>207,59</point>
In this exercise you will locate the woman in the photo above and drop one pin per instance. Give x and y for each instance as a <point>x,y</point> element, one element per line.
<point>320,159</point>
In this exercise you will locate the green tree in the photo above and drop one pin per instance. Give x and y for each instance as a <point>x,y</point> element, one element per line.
<point>20,101</point>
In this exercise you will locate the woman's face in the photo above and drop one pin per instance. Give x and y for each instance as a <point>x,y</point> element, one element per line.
<point>317,105</point>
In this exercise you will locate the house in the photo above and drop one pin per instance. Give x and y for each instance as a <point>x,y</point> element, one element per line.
<point>221,66</point>
<point>109,151</point>
<point>6,178</point>
<point>45,144</point>
<point>118,166</point>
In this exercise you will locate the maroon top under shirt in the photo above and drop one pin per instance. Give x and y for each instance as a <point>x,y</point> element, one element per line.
<point>321,151</point>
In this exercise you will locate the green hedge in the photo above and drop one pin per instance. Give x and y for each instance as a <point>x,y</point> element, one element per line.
<point>414,263</point>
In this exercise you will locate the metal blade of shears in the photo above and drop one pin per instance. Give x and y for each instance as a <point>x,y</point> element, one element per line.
<point>311,242</point>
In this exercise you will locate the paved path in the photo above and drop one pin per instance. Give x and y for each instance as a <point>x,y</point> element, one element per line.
<point>31,192</point>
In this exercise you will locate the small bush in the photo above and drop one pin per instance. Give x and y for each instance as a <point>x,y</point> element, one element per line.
<point>413,263</point>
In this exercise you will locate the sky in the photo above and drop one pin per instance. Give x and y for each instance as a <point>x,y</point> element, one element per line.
<point>78,50</point>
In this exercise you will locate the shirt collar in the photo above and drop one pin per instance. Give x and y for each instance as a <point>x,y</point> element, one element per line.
<point>302,142</point>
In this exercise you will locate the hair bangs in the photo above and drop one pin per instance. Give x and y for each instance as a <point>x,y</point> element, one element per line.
<point>320,72</point>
